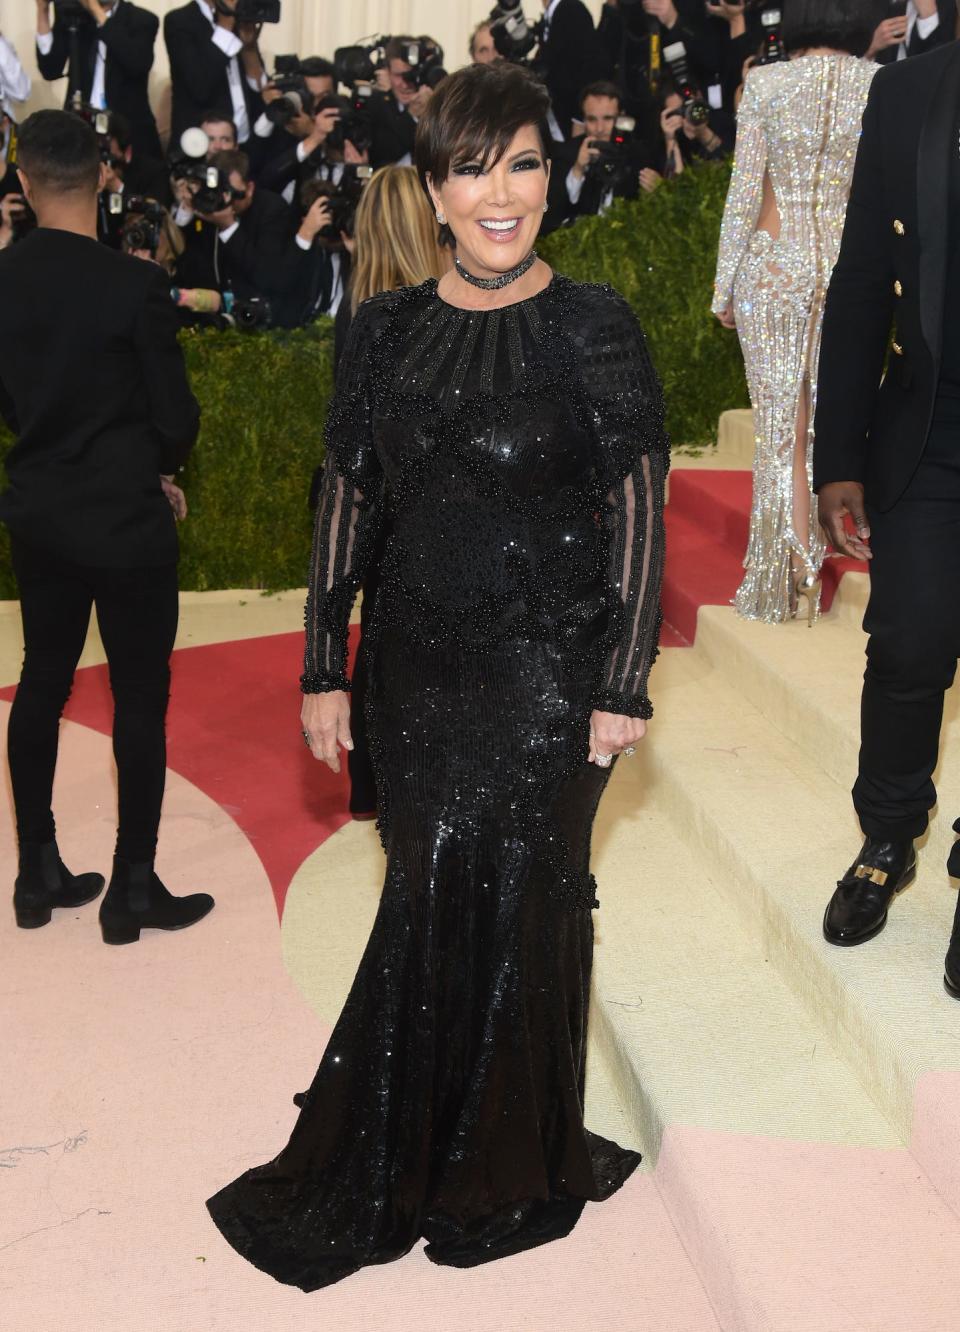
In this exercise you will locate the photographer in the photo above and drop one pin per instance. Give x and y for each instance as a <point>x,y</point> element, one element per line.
<point>687,125</point>
<point>287,119</point>
<point>600,163</point>
<point>101,422</point>
<point>340,137</point>
<point>311,279</point>
<point>131,171</point>
<point>482,48</point>
<point>912,28</point>
<point>214,61</point>
<point>237,245</point>
<point>397,112</point>
<point>115,55</point>
<point>150,233</point>
<point>570,54</point>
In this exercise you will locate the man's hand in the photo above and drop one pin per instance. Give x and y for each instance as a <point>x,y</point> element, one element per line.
<point>837,500</point>
<point>734,14</point>
<point>249,34</point>
<point>891,32</point>
<point>325,721</point>
<point>381,80</point>
<point>352,155</point>
<point>418,103</point>
<point>318,216</point>
<point>670,122</point>
<point>726,316</point>
<point>664,10</point>
<point>12,206</point>
<point>610,733</point>
<point>176,497</point>
<point>587,154</point>
<point>95,10</point>
<point>650,179</point>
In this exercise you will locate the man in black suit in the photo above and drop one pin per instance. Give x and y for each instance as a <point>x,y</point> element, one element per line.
<point>240,247</point>
<point>214,61</point>
<point>92,383</point>
<point>925,25</point>
<point>396,114</point>
<point>570,55</point>
<point>886,455</point>
<point>115,56</point>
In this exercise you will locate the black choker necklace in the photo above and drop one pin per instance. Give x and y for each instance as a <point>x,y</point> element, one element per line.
<point>504,280</point>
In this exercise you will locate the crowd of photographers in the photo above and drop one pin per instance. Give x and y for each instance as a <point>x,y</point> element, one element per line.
<point>250,210</point>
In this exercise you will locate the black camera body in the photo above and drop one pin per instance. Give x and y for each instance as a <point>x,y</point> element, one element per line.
<point>143,229</point>
<point>613,166</point>
<point>355,122</point>
<point>425,58</point>
<point>214,190</point>
<point>253,11</point>
<point>695,110</point>
<point>289,80</point>
<point>513,35</point>
<point>342,202</point>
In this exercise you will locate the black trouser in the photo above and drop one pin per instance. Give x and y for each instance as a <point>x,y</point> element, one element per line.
<point>137,613</point>
<point>913,620</point>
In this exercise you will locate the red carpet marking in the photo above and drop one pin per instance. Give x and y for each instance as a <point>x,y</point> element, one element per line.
<point>234,732</point>
<point>708,520</point>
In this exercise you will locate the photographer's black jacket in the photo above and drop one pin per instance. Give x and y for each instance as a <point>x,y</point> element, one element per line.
<point>571,57</point>
<point>198,72</point>
<point>247,263</point>
<point>393,129</point>
<point>894,263</point>
<point>93,384</point>
<point>129,35</point>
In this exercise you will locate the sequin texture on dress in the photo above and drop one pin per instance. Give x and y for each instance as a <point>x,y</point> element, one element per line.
<point>510,465</point>
<point>799,126</point>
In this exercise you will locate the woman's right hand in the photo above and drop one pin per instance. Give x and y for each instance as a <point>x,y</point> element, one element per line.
<point>726,316</point>
<point>325,722</point>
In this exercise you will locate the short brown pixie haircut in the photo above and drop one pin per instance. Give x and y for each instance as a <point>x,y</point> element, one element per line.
<point>473,116</point>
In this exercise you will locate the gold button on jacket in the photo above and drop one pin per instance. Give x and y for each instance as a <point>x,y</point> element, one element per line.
<point>898,226</point>
<point>897,349</point>
<point>898,288</point>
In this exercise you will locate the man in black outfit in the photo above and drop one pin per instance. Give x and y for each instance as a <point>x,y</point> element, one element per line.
<point>570,55</point>
<point>214,61</point>
<point>115,50</point>
<point>92,383</point>
<point>888,458</point>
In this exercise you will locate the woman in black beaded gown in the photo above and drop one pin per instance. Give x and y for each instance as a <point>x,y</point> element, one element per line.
<point>503,430</point>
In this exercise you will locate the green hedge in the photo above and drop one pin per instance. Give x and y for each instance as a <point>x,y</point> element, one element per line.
<point>264,396</point>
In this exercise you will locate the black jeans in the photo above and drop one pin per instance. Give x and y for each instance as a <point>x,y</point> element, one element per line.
<point>137,613</point>
<point>913,620</point>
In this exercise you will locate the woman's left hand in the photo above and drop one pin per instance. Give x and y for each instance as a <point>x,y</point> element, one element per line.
<point>611,733</point>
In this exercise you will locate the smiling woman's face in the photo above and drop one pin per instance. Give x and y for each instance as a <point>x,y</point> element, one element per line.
<point>495,214</point>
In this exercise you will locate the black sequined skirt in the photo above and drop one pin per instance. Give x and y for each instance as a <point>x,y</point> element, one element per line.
<point>449,1102</point>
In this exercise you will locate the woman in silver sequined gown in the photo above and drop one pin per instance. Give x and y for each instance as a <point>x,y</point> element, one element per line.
<point>797,133</point>
<point>509,462</point>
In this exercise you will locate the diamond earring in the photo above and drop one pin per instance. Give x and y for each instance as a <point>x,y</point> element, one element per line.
<point>545,207</point>
<point>441,218</point>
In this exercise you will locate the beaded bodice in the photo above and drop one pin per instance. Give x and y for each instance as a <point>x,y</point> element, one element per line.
<point>512,463</point>
<point>798,124</point>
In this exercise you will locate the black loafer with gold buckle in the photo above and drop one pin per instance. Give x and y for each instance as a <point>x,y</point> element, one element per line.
<point>858,909</point>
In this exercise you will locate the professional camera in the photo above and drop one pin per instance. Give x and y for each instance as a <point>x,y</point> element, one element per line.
<point>143,228</point>
<point>342,201</point>
<point>773,47</point>
<point>190,163</point>
<point>513,35</point>
<point>695,109</point>
<point>613,167</point>
<point>355,122</point>
<point>288,79</point>
<point>425,58</point>
<point>353,65</point>
<point>252,11</point>
<point>248,315</point>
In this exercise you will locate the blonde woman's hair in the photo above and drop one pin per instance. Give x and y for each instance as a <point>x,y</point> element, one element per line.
<point>396,233</point>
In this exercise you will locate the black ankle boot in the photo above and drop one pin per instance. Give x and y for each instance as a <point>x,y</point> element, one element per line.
<point>44,882</point>
<point>136,900</point>
<point>951,965</point>
<point>858,909</point>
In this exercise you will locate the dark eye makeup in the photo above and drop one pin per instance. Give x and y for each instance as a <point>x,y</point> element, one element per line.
<point>530,163</point>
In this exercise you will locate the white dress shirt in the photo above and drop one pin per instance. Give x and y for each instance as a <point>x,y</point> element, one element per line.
<point>98,92</point>
<point>924,26</point>
<point>14,80</point>
<point>548,17</point>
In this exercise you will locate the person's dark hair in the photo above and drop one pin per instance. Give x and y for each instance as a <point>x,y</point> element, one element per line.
<point>842,25</point>
<point>230,160</point>
<point>601,88</point>
<point>59,152</point>
<point>215,116</point>
<point>315,67</point>
<point>474,115</point>
<point>395,47</point>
